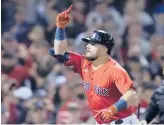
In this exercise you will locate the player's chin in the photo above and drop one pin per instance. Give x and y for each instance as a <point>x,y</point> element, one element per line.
<point>90,58</point>
<point>88,54</point>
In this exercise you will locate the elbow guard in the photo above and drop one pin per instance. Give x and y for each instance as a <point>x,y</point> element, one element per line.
<point>61,58</point>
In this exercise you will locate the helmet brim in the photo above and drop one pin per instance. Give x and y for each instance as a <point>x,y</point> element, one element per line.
<point>87,40</point>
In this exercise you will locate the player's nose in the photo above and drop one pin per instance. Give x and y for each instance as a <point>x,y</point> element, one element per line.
<point>88,46</point>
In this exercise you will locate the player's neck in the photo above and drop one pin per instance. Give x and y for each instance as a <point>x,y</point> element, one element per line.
<point>100,62</point>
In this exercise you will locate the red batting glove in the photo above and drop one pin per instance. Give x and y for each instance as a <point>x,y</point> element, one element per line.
<point>107,113</point>
<point>63,18</point>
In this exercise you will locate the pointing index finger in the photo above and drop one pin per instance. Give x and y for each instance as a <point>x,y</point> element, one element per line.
<point>69,9</point>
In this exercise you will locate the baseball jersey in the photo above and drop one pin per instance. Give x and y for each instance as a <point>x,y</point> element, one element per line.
<point>103,86</point>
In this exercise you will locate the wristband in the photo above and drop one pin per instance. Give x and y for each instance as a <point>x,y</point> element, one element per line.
<point>121,104</point>
<point>60,34</point>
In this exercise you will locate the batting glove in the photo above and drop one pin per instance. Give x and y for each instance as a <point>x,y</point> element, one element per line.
<point>107,113</point>
<point>63,18</point>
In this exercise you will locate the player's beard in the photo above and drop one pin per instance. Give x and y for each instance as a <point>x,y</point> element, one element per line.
<point>91,58</point>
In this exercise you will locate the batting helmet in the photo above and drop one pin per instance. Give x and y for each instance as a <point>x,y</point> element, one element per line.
<point>101,37</point>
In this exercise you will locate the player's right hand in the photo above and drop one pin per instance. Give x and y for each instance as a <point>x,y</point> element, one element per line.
<point>63,18</point>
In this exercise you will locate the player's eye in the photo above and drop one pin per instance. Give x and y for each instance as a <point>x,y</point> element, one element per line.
<point>92,43</point>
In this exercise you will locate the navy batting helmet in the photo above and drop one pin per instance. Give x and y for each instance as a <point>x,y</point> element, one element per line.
<point>101,37</point>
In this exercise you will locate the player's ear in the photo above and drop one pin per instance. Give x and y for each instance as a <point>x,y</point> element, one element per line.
<point>104,50</point>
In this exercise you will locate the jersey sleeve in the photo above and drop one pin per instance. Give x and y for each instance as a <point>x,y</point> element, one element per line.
<point>122,80</point>
<point>70,59</point>
<point>75,60</point>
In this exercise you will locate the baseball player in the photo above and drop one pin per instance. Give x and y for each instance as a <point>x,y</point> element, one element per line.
<point>108,87</point>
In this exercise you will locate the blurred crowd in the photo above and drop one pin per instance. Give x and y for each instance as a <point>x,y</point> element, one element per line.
<point>36,89</point>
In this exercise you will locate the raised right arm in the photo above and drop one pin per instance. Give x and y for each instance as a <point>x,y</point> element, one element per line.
<point>60,50</point>
<point>60,42</point>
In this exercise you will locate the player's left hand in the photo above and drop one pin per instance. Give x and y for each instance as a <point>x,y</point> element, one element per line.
<point>106,114</point>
